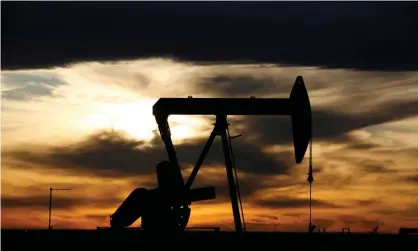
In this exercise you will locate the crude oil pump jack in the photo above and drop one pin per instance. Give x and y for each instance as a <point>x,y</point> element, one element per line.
<point>168,206</point>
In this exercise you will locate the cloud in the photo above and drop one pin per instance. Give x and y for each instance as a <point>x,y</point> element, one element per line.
<point>340,103</point>
<point>377,168</point>
<point>354,151</point>
<point>110,153</point>
<point>69,212</point>
<point>82,196</point>
<point>338,87</point>
<point>313,34</point>
<point>26,86</point>
<point>296,215</point>
<point>331,91</point>
<point>59,202</point>
<point>240,86</point>
<point>412,178</point>
<point>324,223</point>
<point>356,221</point>
<point>349,171</point>
<point>288,202</point>
<point>410,211</point>
<point>269,217</point>
<point>367,202</point>
<point>327,125</point>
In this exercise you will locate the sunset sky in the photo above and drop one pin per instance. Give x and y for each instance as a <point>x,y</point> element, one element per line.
<point>88,126</point>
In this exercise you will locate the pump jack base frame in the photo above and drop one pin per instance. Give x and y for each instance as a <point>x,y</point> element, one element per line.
<point>221,129</point>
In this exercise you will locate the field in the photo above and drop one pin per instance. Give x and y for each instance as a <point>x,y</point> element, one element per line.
<point>136,239</point>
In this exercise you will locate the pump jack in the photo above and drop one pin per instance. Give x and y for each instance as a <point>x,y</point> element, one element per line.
<point>167,206</point>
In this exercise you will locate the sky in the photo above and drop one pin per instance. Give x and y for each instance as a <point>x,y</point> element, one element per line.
<point>79,114</point>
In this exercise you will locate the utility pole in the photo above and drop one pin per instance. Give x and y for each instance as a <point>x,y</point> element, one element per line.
<point>50,202</point>
<point>310,179</point>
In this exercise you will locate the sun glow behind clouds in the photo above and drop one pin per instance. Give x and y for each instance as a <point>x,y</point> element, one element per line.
<point>133,118</point>
<point>89,97</point>
<point>93,96</point>
<point>136,120</point>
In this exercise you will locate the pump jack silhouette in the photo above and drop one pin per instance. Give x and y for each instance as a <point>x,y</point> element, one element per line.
<point>167,207</point>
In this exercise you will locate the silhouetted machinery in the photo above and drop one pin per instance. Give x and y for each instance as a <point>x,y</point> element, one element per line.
<point>167,208</point>
<point>162,208</point>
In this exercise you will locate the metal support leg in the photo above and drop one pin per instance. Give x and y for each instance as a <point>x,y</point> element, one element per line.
<point>221,127</point>
<point>202,157</point>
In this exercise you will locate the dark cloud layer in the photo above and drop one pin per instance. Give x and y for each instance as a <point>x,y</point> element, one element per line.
<point>324,223</point>
<point>352,220</point>
<point>412,178</point>
<point>328,124</point>
<point>371,167</point>
<point>354,110</point>
<point>110,153</point>
<point>59,202</point>
<point>113,155</point>
<point>345,34</point>
<point>240,86</point>
<point>288,202</point>
<point>408,212</point>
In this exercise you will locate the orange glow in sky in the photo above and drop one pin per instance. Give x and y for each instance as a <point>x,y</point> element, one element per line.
<point>57,132</point>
